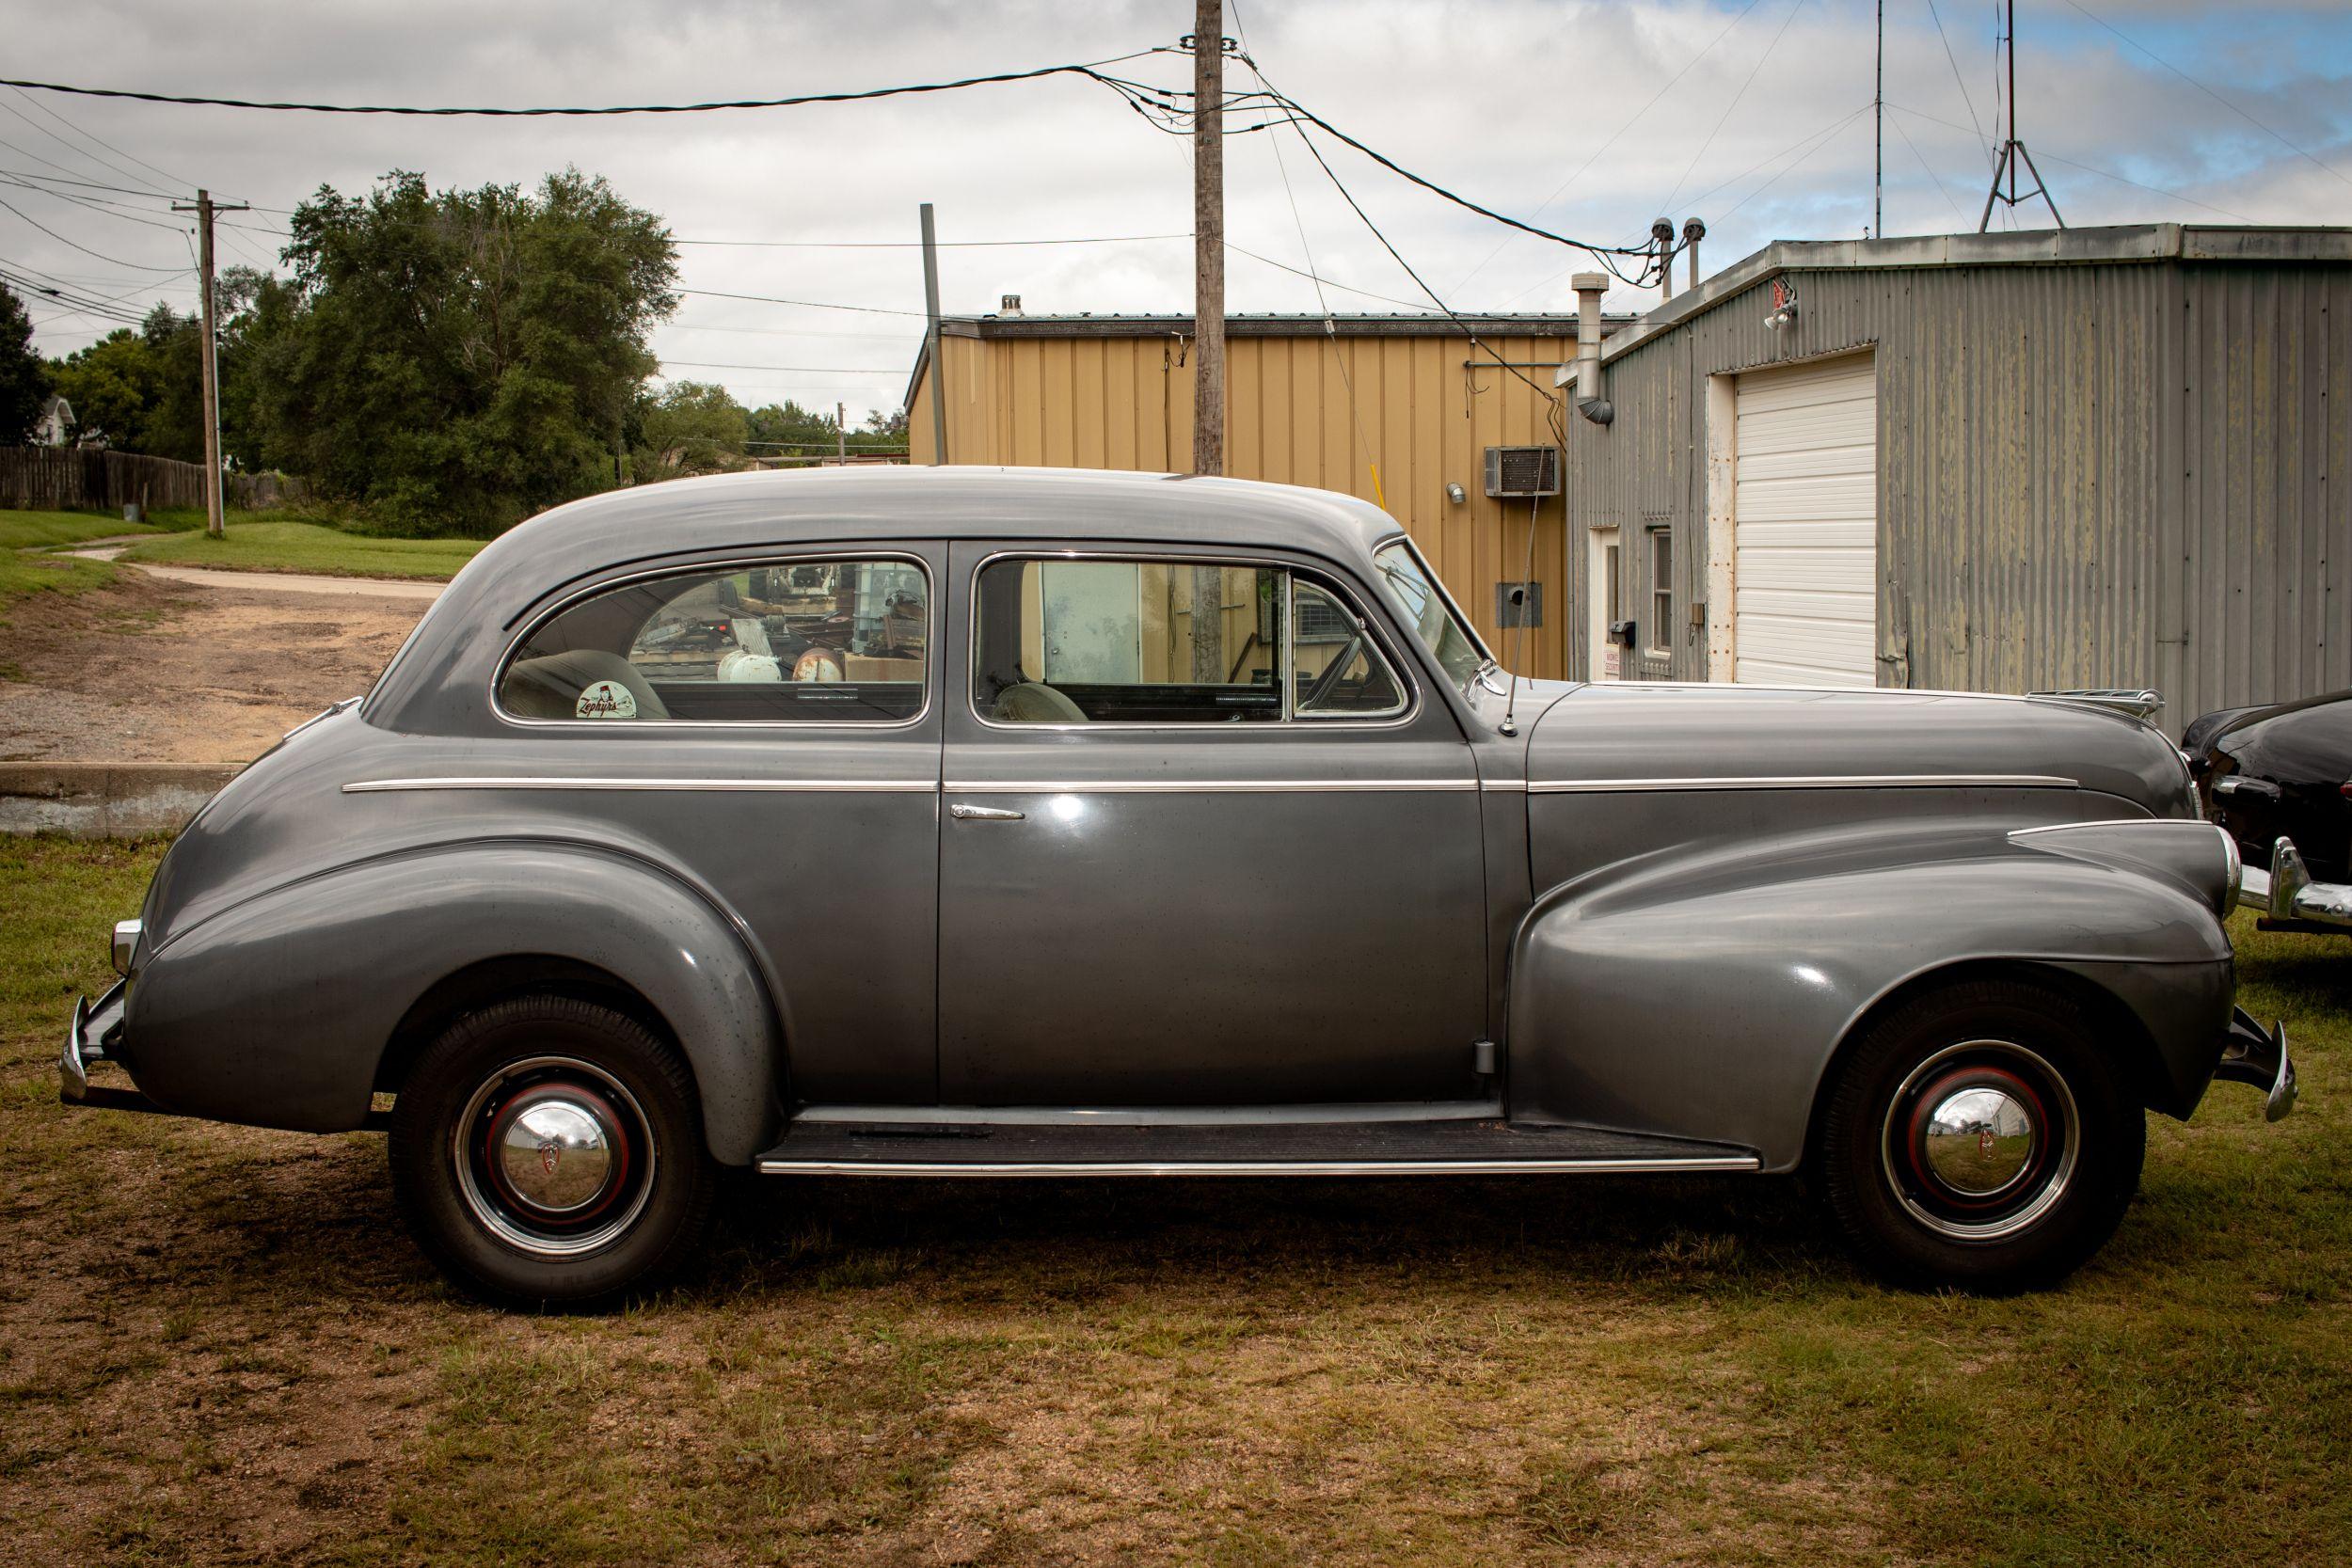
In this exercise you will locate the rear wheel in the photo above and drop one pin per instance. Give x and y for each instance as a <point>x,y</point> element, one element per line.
<point>1981,1136</point>
<point>548,1151</point>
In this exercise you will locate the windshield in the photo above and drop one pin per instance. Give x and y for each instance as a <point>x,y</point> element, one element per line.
<point>1414,590</point>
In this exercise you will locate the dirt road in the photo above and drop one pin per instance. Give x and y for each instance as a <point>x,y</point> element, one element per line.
<point>153,670</point>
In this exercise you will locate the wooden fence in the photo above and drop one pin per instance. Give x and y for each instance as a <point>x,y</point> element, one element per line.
<point>74,479</point>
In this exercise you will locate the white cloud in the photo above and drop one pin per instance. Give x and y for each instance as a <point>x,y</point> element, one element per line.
<point>1502,101</point>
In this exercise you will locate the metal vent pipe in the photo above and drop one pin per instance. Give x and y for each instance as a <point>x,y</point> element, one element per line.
<point>1589,287</point>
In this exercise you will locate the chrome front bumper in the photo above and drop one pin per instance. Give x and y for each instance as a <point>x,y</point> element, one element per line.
<point>93,1029</point>
<point>2258,1056</point>
<point>2286,895</point>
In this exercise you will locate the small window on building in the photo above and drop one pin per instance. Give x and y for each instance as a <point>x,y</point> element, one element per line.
<point>1662,592</point>
<point>793,642</point>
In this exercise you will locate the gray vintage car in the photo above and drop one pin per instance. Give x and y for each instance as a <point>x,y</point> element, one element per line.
<point>961,822</point>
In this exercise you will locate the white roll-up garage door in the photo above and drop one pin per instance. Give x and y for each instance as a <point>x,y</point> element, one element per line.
<point>1806,530</point>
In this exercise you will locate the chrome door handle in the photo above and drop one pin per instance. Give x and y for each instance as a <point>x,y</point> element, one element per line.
<point>985,814</point>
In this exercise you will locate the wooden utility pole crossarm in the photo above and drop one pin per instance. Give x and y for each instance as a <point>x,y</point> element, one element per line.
<point>216,512</point>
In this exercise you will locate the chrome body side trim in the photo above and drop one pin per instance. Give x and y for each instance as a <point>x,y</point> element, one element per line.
<point>785,1167</point>
<point>1208,786</point>
<point>1149,1116</point>
<point>1807,781</point>
<point>898,786</point>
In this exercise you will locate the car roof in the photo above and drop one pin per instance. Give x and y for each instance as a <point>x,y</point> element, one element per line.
<point>640,528</point>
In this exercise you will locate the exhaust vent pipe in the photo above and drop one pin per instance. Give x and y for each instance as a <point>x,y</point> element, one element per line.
<point>1589,287</point>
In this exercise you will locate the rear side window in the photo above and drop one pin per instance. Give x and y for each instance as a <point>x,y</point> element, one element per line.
<point>1075,641</point>
<point>832,642</point>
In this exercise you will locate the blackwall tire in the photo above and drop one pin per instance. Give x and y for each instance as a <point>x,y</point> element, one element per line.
<point>546,1151</point>
<point>1980,1137</point>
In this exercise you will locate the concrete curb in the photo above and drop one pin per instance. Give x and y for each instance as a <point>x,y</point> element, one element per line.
<point>105,800</point>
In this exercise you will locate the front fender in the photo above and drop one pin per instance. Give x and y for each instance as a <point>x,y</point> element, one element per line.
<point>1705,995</point>
<point>276,1012</point>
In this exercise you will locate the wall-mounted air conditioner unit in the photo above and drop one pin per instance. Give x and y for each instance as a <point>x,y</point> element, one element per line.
<point>1522,470</point>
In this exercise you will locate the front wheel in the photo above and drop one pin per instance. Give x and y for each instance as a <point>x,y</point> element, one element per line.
<point>1982,1137</point>
<point>549,1151</point>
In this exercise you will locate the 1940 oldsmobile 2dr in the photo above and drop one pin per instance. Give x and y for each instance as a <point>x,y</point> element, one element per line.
<point>961,822</point>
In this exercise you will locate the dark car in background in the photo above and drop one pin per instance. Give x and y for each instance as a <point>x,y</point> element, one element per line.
<point>2278,780</point>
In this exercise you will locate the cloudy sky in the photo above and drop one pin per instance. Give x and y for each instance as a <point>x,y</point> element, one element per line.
<point>1589,119</point>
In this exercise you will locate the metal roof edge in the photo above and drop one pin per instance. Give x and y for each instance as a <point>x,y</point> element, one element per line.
<point>2112,245</point>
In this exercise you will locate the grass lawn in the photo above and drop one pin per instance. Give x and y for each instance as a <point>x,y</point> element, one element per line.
<point>254,545</point>
<point>215,1344</point>
<point>24,531</point>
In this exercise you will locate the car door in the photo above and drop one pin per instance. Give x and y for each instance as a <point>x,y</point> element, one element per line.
<point>1227,857</point>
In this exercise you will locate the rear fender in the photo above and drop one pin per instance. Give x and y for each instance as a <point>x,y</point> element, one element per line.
<point>1703,992</point>
<point>276,1011</point>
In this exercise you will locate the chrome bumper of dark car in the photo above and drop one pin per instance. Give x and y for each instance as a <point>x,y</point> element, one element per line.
<point>93,1028</point>
<point>2284,894</point>
<point>2258,1056</point>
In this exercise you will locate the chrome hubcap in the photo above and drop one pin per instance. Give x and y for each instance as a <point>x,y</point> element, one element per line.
<point>1981,1140</point>
<point>554,1157</point>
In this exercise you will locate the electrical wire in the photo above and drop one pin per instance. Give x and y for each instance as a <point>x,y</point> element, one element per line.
<point>807,303</point>
<point>1961,82</point>
<point>137,266</point>
<point>1091,68</point>
<point>1958,216</point>
<point>793,369</point>
<point>1618,135</point>
<point>1412,305</point>
<point>917,244</point>
<point>103,207</point>
<point>2209,92</point>
<point>1725,119</point>
<point>168,178</point>
<point>2086,169</point>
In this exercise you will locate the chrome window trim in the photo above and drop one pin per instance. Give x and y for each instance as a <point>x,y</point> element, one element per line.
<point>1444,593</point>
<point>1633,687</point>
<point>1286,725</point>
<point>934,638</point>
<point>905,786</point>
<point>1805,781</point>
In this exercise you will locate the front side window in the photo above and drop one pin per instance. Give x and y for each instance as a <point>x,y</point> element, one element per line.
<point>1411,587</point>
<point>841,640</point>
<point>1086,641</point>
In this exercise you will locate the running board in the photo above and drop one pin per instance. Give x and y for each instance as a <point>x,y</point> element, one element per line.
<point>1482,1147</point>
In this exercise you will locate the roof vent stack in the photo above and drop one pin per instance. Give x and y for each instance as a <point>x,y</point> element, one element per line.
<point>1010,306</point>
<point>1589,287</point>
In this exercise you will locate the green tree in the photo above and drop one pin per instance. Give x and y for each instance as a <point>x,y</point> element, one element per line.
<point>114,386</point>
<point>24,378</point>
<point>693,427</point>
<point>456,361</point>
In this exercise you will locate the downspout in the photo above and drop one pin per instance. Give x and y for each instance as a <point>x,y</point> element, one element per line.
<point>1589,287</point>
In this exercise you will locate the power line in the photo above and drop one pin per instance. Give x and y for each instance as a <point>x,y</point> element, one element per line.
<point>168,176</point>
<point>807,303</point>
<point>2088,168</point>
<point>1617,135</point>
<point>917,244</point>
<point>2210,93</point>
<point>791,370</point>
<point>1322,281</point>
<point>137,266</point>
<point>103,207</point>
<point>1087,69</point>
<point>1725,119</point>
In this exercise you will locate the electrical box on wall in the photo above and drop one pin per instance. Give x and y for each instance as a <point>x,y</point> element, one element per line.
<point>1522,471</point>
<point>1518,604</point>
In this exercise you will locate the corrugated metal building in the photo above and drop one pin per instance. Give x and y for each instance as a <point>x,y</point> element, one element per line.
<point>1392,408</point>
<point>2004,461</point>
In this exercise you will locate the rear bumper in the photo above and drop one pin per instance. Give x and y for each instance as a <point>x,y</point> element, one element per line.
<point>2256,1056</point>
<point>95,1028</point>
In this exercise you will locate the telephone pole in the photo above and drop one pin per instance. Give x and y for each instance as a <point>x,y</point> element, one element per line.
<point>215,520</point>
<point>1208,237</point>
<point>931,332</point>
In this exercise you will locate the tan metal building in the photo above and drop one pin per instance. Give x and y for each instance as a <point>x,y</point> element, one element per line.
<point>1400,410</point>
<point>2113,456</point>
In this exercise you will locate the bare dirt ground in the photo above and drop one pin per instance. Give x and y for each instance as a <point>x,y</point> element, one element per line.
<point>151,671</point>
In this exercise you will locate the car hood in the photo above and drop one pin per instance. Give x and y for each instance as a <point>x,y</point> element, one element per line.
<point>1723,734</point>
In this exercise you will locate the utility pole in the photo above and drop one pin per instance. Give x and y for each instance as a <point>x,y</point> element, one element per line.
<point>931,312</point>
<point>841,429</point>
<point>1208,237</point>
<point>2014,152</point>
<point>215,520</point>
